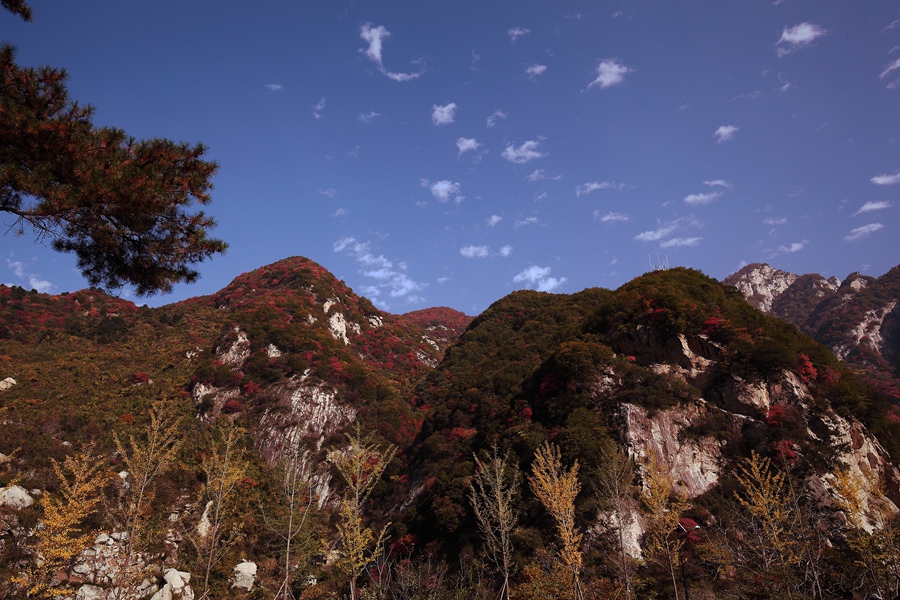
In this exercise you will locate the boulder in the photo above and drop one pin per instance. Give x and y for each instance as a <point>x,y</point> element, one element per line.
<point>244,575</point>
<point>7,384</point>
<point>15,497</point>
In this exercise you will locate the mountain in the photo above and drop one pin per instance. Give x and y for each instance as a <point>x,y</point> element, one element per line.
<point>673,377</point>
<point>858,318</point>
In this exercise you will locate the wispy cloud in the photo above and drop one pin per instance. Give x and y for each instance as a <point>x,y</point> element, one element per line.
<point>369,117</point>
<point>718,183</point>
<point>888,70</point>
<point>443,115</point>
<point>466,145</point>
<point>612,217</point>
<point>538,278</point>
<point>654,235</point>
<point>677,242</point>
<point>274,87</point>
<point>390,278</point>
<point>516,32</point>
<point>444,190</point>
<point>797,37</point>
<point>526,152</point>
<point>794,247</point>
<point>318,108</point>
<point>609,73</point>
<point>475,251</point>
<point>375,37</point>
<point>886,179</point>
<point>493,220</point>
<point>698,199</point>
<point>536,175</point>
<point>873,206</point>
<point>725,132</point>
<point>523,221</point>
<point>492,118</point>
<point>535,70</point>
<point>505,251</point>
<point>329,193</point>
<point>775,222</point>
<point>586,188</point>
<point>341,212</point>
<point>863,232</point>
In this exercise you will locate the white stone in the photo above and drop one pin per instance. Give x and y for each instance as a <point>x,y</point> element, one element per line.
<point>90,592</point>
<point>204,525</point>
<point>244,575</point>
<point>15,497</point>
<point>103,539</point>
<point>272,351</point>
<point>7,384</point>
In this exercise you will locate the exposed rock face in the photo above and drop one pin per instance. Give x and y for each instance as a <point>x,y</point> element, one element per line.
<point>692,463</point>
<point>237,352</point>
<point>305,414</point>
<point>761,284</point>
<point>868,332</point>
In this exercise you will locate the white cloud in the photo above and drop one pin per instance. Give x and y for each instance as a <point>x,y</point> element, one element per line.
<point>798,36</point>
<point>586,188</point>
<point>676,242</point>
<point>274,87</point>
<point>341,212</point>
<point>466,144</point>
<point>539,278</point>
<point>889,69</point>
<point>329,193</point>
<point>516,32</point>
<point>493,220</point>
<point>492,118</point>
<point>886,179</point>
<point>725,132</point>
<point>535,70</point>
<point>19,269</point>
<point>521,222</point>
<point>609,73</point>
<point>524,153</point>
<point>389,277</point>
<point>795,247</point>
<point>442,190</point>
<point>536,175</point>
<point>368,117</point>
<point>506,251</point>
<point>657,234</point>
<point>612,217</point>
<point>771,221</point>
<point>863,232</point>
<point>318,108</point>
<point>697,199</point>
<point>375,37</point>
<point>41,285</point>
<point>873,206</point>
<point>475,251</point>
<point>443,115</point>
<point>718,183</point>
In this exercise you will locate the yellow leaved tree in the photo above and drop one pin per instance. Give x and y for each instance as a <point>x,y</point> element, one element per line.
<point>360,465</point>
<point>63,535</point>
<point>557,487</point>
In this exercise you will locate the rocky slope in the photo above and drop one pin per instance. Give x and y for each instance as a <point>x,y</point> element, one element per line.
<point>672,367</point>
<point>858,318</point>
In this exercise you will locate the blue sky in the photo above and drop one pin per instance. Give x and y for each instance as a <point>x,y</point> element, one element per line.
<point>448,153</point>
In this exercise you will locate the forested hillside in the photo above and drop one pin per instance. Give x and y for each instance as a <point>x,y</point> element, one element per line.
<point>661,439</point>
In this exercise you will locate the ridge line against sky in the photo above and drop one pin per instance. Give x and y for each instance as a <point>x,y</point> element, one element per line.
<point>433,155</point>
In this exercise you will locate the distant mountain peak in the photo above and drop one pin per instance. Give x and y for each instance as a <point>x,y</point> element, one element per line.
<point>761,284</point>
